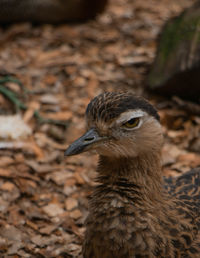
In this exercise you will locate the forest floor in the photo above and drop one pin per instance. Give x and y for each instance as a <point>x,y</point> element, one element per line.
<point>43,195</point>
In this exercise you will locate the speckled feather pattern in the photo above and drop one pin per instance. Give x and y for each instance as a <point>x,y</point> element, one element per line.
<point>134,212</point>
<point>123,222</point>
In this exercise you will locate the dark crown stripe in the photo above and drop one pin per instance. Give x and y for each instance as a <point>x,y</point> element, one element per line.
<point>110,105</point>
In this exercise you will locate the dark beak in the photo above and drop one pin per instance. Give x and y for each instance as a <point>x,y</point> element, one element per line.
<point>84,143</point>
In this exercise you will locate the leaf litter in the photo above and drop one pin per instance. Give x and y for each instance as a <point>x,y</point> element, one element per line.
<point>48,76</point>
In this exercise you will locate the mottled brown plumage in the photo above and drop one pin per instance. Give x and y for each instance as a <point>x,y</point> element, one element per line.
<point>134,211</point>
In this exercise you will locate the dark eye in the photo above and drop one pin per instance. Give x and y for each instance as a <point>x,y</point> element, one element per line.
<point>132,122</point>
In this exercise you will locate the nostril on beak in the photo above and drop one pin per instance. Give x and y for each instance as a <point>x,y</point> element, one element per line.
<point>89,139</point>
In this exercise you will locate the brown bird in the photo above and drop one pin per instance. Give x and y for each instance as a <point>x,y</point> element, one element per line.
<point>134,211</point>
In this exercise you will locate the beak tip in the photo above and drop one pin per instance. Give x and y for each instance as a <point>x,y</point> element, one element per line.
<point>81,144</point>
<point>68,152</point>
<point>73,149</point>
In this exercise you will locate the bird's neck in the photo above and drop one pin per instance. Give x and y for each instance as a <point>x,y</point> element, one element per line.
<point>143,172</point>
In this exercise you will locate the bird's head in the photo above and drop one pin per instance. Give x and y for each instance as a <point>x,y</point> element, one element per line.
<point>119,125</point>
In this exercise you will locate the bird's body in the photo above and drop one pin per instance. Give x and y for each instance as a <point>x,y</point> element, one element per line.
<point>134,211</point>
<point>129,220</point>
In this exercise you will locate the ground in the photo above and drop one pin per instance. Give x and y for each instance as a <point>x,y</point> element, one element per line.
<point>43,195</point>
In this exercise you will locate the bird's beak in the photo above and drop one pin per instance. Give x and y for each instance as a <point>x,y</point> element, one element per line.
<point>84,143</point>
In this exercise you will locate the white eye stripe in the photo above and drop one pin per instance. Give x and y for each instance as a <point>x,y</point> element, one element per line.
<point>126,116</point>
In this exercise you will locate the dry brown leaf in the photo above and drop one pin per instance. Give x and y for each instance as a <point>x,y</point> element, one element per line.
<point>79,177</point>
<point>6,161</point>
<point>48,229</point>
<point>42,168</point>
<point>26,186</point>
<point>50,79</point>
<point>43,140</point>
<point>70,181</point>
<point>71,203</point>
<point>8,186</point>
<point>32,225</point>
<point>170,172</point>
<point>75,214</point>
<point>190,159</point>
<point>65,115</point>
<point>31,145</point>
<point>5,172</point>
<point>170,153</point>
<point>32,107</point>
<point>53,210</point>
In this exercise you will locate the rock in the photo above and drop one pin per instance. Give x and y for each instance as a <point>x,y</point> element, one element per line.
<point>177,64</point>
<point>13,127</point>
<point>49,11</point>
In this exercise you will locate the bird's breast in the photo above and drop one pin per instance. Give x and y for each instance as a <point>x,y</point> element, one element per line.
<point>116,225</point>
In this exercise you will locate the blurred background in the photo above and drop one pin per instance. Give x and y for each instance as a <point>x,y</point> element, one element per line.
<point>48,75</point>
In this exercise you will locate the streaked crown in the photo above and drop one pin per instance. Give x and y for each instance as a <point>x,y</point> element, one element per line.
<point>110,105</point>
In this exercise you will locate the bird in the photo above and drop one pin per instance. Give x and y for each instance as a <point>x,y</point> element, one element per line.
<point>134,210</point>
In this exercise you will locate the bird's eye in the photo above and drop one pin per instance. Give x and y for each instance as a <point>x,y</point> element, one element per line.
<point>132,122</point>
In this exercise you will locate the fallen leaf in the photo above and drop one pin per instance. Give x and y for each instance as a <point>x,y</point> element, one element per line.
<point>71,203</point>
<point>53,210</point>
<point>190,159</point>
